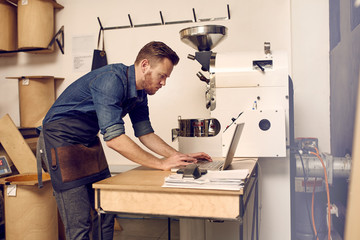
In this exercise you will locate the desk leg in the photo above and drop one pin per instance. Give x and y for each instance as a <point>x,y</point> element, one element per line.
<point>255,222</point>
<point>241,232</point>
<point>256,205</point>
<point>169,228</point>
<point>98,209</point>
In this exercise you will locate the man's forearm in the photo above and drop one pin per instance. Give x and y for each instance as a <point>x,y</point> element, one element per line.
<point>129,149</point>
<point>157,145</point>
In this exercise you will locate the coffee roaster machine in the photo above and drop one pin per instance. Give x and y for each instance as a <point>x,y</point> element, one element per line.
<point>250,87</point>
<point>241,87</point>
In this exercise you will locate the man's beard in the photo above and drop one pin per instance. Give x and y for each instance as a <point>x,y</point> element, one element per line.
<point>147,85</point>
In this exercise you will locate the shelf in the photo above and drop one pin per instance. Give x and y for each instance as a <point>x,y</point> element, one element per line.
<point>56,5</point>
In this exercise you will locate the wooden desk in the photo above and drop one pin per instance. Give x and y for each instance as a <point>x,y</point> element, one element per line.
<point>139,191</point>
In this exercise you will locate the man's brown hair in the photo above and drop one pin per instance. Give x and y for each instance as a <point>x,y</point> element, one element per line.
<point>155,52</point>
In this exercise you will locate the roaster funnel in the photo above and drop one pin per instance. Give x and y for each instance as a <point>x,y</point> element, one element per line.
<point>203,38</point>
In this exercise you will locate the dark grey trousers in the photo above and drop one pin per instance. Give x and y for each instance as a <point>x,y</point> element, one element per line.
<point>76,207</point>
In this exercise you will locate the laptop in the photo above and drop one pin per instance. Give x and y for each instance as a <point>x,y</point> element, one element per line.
<point>219,165</point>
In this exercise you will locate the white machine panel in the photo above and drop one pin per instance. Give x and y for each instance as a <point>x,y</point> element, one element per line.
<point>264,134</point>
<point>256,103</point>
<point>238,70</point>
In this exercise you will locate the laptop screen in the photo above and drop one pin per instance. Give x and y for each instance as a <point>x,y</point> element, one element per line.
<point>233,145</point>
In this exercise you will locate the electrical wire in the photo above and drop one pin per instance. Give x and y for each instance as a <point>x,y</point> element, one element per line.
<point>232,121</point>
<point>312,210</point>
<point>311,219</point>
<point>327,191</point>
<point>303,168</point>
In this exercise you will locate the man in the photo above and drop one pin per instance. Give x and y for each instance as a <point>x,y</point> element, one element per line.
<point>98,101</point>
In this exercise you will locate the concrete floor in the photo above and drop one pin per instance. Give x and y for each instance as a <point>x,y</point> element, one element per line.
<point>144,228</point>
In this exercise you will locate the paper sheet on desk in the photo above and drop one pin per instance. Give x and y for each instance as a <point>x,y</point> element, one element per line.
<point>221,180</point>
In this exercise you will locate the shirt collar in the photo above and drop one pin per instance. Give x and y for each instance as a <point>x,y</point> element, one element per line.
<point>132,92</point>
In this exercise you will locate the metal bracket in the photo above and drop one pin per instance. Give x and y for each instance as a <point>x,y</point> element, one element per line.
<point>174,134</point>
<point>58,37</point>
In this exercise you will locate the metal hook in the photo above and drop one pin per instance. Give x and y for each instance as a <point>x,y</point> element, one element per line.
<point>228,10</point>
<point>195,20</point>
<point>131,24</point>
<point>162,19</point>
<point>101,27</point>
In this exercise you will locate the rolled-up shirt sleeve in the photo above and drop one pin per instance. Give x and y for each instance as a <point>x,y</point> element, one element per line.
<point>142,128</point>
<point>113,131</point>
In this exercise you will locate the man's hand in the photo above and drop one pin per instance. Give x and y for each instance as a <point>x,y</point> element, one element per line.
<point>181,160</point>
<point>200,156</point>
<point>177,160</point>
<point>172,158</point>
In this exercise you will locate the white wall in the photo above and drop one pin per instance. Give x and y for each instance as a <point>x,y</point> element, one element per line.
<point>310,69</point>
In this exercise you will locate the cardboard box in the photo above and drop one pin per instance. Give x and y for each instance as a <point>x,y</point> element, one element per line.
<point>16,147</point>
<point>31,137</point>
<point>8,26</point>
<point>35,23</point>
<point>30,212</point>
<point>36,96</point>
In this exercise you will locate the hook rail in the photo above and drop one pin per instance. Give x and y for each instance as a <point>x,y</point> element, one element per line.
<point>163,22</point>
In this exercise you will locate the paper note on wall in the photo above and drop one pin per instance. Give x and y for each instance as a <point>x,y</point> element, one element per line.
<point>82,51</point>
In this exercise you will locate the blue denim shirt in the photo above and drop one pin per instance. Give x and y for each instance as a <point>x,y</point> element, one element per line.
<point>106,94</point>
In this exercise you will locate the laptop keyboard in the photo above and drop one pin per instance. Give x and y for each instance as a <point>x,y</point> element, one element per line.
<point>214,165</point>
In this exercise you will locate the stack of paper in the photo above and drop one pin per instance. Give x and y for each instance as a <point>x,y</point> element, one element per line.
<point>222,180</point>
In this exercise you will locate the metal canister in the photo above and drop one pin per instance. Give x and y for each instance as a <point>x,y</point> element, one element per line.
<point>196,128</point>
